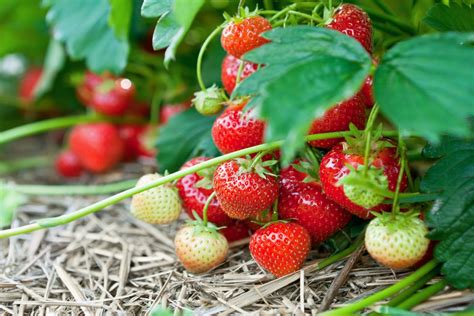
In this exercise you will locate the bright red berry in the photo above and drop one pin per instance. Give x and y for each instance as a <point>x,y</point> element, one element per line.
<point>353,21</point>
<point>235,231</point>
<point>234,130</point>
<point>135,141</point>
<point>334,167</point>
<point>85,90</point>
<point>367,92</point>
<point>28,84</point>
<point>338,118</point>
<point>243,192</point>
<point>243,35</point>
<point>113,97</point>
<point>309,206</point>
<point>68,165</point>
<point>194,196</point>
<point>167,111</point>
<point>280,248</point>
<point>230,69</point>
<point>98,146</point>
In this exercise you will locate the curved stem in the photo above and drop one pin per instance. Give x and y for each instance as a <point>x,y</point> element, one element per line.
<point>283,12</point>
<point>385,293</point>
<point>257,159</point>
<point>98,206</point>
<point>201,55</point>
<point>32,189</point>
<point>306,16</point>
<point>206,206</point>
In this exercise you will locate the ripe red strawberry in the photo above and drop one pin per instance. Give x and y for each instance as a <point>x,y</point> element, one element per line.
<point>243,34</point>
<point>334,167</point>
<point>68,165</point>
<point>113,96</point>
<point>230,69</point>
<point>194,196</point>
<point>338,118</point>
<point>234,130</point>
<point>98,146</point>
<point>85,90</point>
<point>280,248</point>
<point>134,138</point>
<point>158,205</point>
<point>200,248</point>
<point>235,231</point>
<point>309,206</point>
<point>242,191</point>
<point>28,84</point>
<point>167,111</point>
<point>353,21</point>
<point>397,242</point>
<point>367,92</point>
<point>257,221</point>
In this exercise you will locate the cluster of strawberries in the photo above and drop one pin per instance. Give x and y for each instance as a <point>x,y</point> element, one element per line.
<point>98,147</point>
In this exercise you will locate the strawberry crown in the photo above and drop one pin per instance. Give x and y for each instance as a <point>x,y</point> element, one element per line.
<point>262,168</point>
<point>201,227</point>
<point>242,14</point>
<point>356,141</point>
<point>399,220</point>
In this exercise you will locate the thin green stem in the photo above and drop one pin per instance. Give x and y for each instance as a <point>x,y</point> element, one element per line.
<point>402,25</point>
<point>100,205</point>
<point>283,12</point>
<point>201,55</point>
<point>268,4</point>
<point>395,206</point>
<point>239,72</point>
<point>206,206</point>
<point>306,16</point>
<point>423,295</point>
<point>368,136</point>
<point>155,108</point>
<point>257,159</point>
<point>385,293</point>
<point>33,189</point>
<point>25,163</point>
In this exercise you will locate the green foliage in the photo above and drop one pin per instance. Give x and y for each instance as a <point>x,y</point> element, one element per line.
<point>186,135</point>
<point>307,70</point>
<point>453,18</point>
<point>175,20</point>
<point>452,216</point>
<point>54,62</point>
<point>83,25</point>
<point>120,16</point>
<point>424,85</point>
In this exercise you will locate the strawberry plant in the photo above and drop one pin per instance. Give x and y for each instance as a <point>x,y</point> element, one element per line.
<point>303,128</point>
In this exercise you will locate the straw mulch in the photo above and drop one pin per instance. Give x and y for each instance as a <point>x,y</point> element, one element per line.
<point>110,262</point>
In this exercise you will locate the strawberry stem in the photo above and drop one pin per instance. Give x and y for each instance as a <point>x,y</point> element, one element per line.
<point>26,163</point>
<point>206,206</point>
<point>368,136</point>
<point>306,16</point>
<point>201,55</point>
<point>385,293</point>
<point>257,159</point>
<point>100,205</point>
<point>239,72</point>
<point>395,206</point>
<point>423,295</point>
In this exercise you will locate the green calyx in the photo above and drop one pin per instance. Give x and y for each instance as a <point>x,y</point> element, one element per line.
<point>106,86</point>
<point>209,101</point>
<point>398,221</point>
<point>242,14</point>
<point>364,186</point>
<point>356,142</point>
<point>206,181</point>
<point>262,168</point>
<point>199,226</point>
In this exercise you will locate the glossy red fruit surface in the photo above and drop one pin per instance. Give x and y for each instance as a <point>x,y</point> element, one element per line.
<point>242,35</point>
<point>98,146</point>
<point>230,69</point>
<point>338,118</point>
<point>28,84</point>
<point>235,231</point>
<point>195,197</point>
<point>167,111</point>
<point>333,167</point>
<point>68,165</point>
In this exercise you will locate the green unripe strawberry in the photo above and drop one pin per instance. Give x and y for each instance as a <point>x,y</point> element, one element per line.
<point>200,248</point>
<point>209,101</point>
<point>159,205</point>
<point>397,241</point>
<point>360,186</point>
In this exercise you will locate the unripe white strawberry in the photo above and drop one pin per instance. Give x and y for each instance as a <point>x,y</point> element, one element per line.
<point>159,205</point>
<point>397,241</point>
<point>200,248</point>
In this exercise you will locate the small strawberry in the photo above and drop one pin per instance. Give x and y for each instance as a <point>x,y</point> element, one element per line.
<point>113,96</point>
<point>337,164</point>
<point>397,241</point>
<point>244,190</point>
<point>85,89</point>
<point>234,130</point>
<point>209,101</point>
<point>243,34</point>
<point>195,189</point>
<point>338,118</point>
<point>68,165</point>
<point>28,84</point>
<point>200,248</point>
<point>281,248</point>
<point>98,146</point>
<point>136,142</point>
<point>230,69</point>
<point>167,111</point>
<point>235,231</point>
<point>308,205</point>
<point>158,205</point>
<point>367,92</point>
<point>354,22</point>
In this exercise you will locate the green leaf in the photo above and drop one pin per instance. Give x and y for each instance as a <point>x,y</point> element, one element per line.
<point>425,85</point>
<point>54,62</point>
<point>452,216</point>
<point>453,18</point>
<point>165,30</point>
<point>185,11</point>
<point>156,8</point>
<point>326,66</point>
<point>186,135</point>
<point>120,17</point>
<point>83,26</point>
